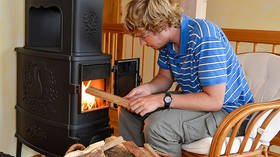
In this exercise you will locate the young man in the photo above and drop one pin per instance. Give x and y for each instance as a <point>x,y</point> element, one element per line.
<point>196,54</point>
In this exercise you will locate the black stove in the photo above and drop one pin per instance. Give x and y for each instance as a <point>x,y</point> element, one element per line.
<point>62,53</point>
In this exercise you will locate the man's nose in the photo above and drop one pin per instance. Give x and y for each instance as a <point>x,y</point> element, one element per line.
<point>142,42</point>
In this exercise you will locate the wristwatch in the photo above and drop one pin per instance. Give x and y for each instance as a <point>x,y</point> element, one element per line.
<point>167,99</point>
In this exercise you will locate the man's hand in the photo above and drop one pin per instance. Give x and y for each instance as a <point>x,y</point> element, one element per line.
<point>142,99</point>
<point>146,104</point>
<point>139,91</point>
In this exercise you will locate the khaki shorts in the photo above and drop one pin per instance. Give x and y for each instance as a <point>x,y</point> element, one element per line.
<point>183,125</point>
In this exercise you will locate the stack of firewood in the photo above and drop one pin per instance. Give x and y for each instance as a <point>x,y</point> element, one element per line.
<point>113,147</point>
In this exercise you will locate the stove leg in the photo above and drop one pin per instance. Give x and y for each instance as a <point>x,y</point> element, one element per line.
<point>19,146</point>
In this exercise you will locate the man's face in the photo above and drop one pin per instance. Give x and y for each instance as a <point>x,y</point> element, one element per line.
<point>154,40</point>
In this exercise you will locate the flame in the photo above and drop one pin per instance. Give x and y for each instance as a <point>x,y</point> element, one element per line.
<point>88,101</point>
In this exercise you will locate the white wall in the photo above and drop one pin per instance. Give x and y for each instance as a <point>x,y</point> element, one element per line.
<point>12,35</point>
<point>195,8</point>
<point>245,14</point>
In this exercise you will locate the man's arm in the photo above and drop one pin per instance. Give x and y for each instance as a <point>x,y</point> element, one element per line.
<point>210,99</point>
<point>161,82</point>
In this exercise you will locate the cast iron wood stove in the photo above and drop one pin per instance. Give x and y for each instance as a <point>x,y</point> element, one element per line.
<point>62,53</point>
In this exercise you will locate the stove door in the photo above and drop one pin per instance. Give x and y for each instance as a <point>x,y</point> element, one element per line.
<point>126,76</point>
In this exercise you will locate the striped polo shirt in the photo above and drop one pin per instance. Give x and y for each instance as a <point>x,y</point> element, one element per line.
<point>206,58</point>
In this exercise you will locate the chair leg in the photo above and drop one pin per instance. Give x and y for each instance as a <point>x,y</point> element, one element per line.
<point>19,147</point>
<point>265,151</point>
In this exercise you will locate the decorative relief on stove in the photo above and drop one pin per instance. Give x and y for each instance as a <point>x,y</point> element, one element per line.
<point>89,19</point>
<point>36,133</point>
<point>39,87</point>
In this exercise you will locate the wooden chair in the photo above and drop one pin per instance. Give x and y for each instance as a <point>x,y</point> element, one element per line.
<point>261,71</point>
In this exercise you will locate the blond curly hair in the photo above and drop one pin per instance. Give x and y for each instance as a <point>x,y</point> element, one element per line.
<point>152,15</point>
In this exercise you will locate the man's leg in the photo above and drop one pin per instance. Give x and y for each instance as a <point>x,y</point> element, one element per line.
<point>131,127</point>
<point>167,130</point>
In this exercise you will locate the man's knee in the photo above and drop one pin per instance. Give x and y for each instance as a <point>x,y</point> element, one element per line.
<point>160,130</point>
<point>159,135</point>
<point>151,130</point>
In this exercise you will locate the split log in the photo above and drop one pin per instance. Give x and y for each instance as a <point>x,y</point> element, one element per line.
<point>96,153</point>
<point>117,151</point>
<point>75,150</point>
<point>108,96</point>
<point>113,147</point>
<point>96,149</point>
<point>150,150</point>
<point>112,143</point>
<point>135,150</point>
<point>93,146</point>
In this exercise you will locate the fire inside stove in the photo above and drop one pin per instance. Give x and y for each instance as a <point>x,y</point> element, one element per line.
<point>90,102</point>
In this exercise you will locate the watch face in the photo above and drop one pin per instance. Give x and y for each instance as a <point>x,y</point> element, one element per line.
<point>167,99</point>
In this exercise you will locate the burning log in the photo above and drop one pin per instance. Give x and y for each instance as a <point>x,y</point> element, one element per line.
<point>108,96</point>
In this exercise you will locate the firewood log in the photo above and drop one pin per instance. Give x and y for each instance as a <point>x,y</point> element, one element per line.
<point>96,153</point>
<point>113,147</point>
<point>77,150</point>
<point>75,147</point>
<point>135,150</point>
<point>150,150</point>
<point>118,150</point>
<point>93,146</point>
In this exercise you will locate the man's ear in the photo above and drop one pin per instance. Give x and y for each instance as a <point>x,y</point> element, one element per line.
<point>161,27</point>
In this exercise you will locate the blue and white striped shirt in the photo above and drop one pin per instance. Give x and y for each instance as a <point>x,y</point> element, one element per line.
<point>206,58</point>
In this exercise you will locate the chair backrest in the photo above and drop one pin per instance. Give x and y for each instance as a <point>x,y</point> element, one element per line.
<point>263,77</point>
<point>261,72</point>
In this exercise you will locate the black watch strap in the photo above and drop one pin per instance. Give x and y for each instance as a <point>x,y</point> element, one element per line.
<point>167,99</point>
